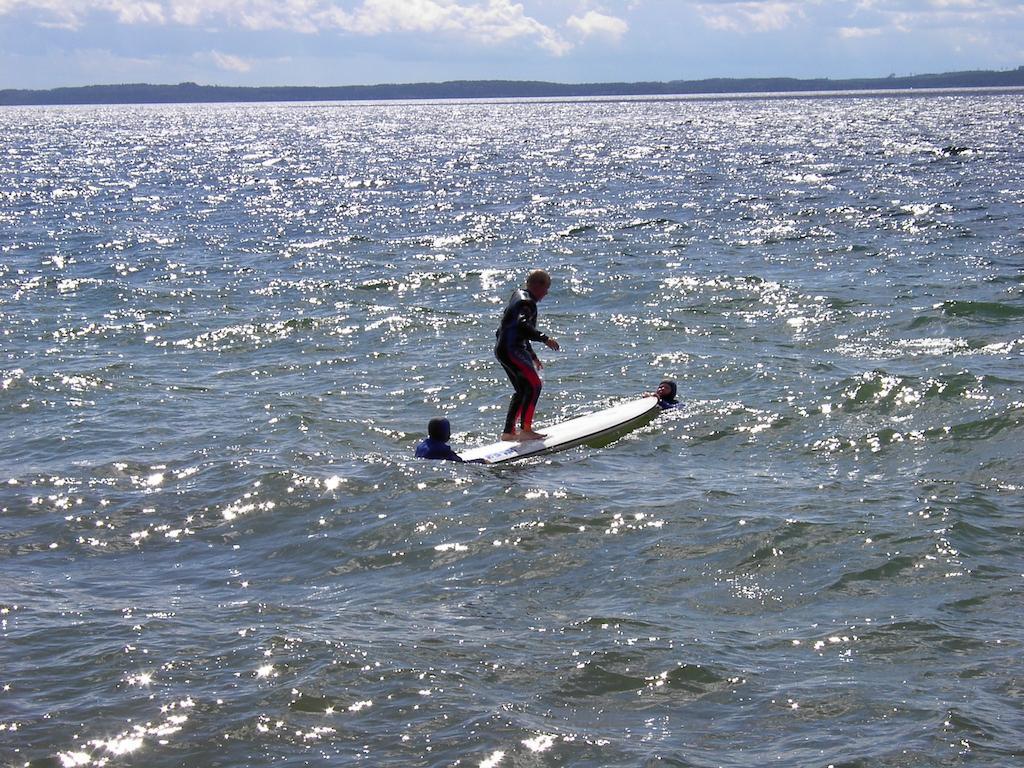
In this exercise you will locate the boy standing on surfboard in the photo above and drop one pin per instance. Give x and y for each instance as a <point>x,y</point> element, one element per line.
<point>517,329</point>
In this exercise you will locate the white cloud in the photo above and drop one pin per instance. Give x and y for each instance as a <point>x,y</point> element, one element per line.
<point>750,16</point>
<point>55,14</point>
<point>228,62</point>
<point>486,22</point>
<point>129,12</point>
<point>858,33</point>
<point>256,15</point>
<point>594,24</point>
<point>965,4</point>
<point>956,18</point>
<point>497,21</point>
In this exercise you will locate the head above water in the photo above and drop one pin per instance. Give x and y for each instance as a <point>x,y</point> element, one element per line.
<point>439,429</point>
<point>667,390</point>
<point>538,282</point>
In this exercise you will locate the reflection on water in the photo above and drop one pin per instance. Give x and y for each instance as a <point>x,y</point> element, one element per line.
<point>225,328</point>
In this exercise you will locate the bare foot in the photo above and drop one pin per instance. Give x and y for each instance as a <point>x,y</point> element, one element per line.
<point>509,436</point>
<point>529,434</point>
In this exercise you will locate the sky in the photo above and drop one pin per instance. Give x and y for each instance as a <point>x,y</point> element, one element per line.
<point>52,43</point>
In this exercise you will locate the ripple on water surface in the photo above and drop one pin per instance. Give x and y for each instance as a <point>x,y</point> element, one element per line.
<point>225,327</point>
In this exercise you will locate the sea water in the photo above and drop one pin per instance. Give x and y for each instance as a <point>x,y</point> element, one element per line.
<point>225,327</point>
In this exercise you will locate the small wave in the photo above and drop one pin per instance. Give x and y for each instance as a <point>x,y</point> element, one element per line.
<point>97,331</point>
<point>612,621</point>
<point>917,637</point>
<point>981,429</point>
<point>880,390</point>
<point>693,677</point>
<point>379,284</point>
<point>981,310</point>
<point>9,378</point>
<point>644,223</point>
<point>599,678</point>
<point>888,570</point>
<point>795,537</point>
<point>954,150</point>
<point>595,680</point>
<point>243,336</point>
<point>984,429</point>
<point>576,230</point>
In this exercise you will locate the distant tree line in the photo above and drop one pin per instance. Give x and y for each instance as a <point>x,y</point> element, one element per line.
<point>142,93</point>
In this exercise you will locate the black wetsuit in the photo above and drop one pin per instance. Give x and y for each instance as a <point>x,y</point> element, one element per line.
<point>518,328</point>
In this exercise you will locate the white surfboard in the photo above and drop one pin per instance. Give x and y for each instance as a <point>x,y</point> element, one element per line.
<point>609,423</point>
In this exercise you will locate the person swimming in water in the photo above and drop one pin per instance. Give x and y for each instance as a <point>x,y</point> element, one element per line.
<point>439,432</point>
<point>666,394</point>
<point>517,329</point>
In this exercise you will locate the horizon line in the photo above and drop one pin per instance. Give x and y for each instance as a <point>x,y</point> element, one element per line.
<point>188,91</point>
